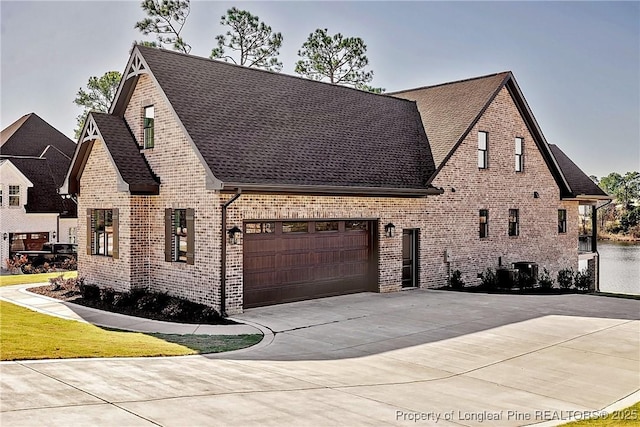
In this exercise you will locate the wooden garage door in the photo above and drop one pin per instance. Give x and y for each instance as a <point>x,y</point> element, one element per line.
<point>294,260</point>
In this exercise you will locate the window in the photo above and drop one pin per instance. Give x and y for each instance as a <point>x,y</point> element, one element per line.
<point>356,225</point>
<point>295,227</point>
<point>179,235</point>
<point>483,142</point>
<point>149,114</point>
<point>14,195</point>
<point>519,155</point>
<point>0,196</point>
<point>326,226</point>
<point>514,228</point>
<point>73,235</point>
<point>260,227</point>
<point>562,220</point>
<point>102,232</point>
<point>484,223</point>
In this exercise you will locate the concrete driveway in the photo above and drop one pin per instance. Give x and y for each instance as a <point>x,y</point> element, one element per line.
<point>416,357</point>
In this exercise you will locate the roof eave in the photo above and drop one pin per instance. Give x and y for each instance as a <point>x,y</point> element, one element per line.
<point>325,190</point>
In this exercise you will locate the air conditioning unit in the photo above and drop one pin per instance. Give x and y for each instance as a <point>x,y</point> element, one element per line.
<point>527,268</point>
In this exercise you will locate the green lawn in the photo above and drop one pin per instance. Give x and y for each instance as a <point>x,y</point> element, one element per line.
<point>26,334</point>
<point>23,279</point>
<point>625,417</point>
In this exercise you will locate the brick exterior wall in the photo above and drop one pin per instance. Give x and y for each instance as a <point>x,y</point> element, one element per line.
<point>498,189</point>
<point>182,186</point>
<point>447,222</point>
<point>98,190</point>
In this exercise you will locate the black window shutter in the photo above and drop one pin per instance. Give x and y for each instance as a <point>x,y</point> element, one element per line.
<point>115,224</point>
<point>168,235</point>
<point>191,236</point>
<point>89,231</point>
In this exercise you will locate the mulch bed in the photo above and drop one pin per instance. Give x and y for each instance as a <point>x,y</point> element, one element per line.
<point>138,303</point>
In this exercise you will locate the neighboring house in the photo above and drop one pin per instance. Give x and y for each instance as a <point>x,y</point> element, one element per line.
<point>34,158</point>
<point>238,187</point>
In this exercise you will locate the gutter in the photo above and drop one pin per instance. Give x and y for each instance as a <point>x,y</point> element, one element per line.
<point>333,190</point>
<point>223,259</point>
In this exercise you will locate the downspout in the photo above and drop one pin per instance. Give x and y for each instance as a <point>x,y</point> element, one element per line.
<point>594,241</point>
<point>223,260</point>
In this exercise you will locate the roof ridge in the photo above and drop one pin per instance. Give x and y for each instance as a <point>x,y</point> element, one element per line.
<point>218,61</point>
<point>451,83</point>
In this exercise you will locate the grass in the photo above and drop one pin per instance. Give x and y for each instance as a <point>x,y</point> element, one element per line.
<point>23,279</point>
<point>625,417</point>
<point>26,334</point>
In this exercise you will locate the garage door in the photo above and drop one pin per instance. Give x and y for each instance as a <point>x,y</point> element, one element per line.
<point>294,260</point>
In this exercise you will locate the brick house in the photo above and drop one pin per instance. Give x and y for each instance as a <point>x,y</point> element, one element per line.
<point>34,160</point>
<point>238,187</point>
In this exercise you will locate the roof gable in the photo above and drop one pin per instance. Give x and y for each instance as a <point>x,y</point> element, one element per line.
<point>42,195</point>
<point>135,175</point>
<point>457,106</point>
<point>254,127</point>
<point>30,136</point>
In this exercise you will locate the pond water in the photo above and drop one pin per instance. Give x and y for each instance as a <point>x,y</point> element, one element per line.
<point>619,267</point>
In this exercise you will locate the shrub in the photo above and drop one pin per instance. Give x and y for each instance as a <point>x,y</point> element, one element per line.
<point>151,301</point>
<point>89,292</point>
<point>525,280</point>
<point>16,262</point>
<point>582,280</point>
<point>505,278</point>
<point>565,278</point>
<point>455,281</point>
<point>107,295</point>
<point>545,281</point>
<point>489,279</point>
<point>69,264</point>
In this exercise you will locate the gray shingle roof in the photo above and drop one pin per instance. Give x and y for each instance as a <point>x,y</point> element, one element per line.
<point>580,184</point>
<point>254,126</point>
<point>448,110</point>
<point>30,136</point>
<point>125,152</point>
<point>43,197</point>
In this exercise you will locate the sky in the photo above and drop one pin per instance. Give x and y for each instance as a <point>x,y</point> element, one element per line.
<point>577,63</point>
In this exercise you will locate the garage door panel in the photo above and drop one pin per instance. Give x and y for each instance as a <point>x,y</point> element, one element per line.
<point>291,266</point>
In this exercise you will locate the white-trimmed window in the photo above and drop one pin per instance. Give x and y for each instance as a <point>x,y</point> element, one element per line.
<point>149,116</point>
<point>14,195</point>
<point>483,150</point>
<point>519,154</point>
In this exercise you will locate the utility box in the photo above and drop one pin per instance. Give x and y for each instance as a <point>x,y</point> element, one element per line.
<point>527,268</point>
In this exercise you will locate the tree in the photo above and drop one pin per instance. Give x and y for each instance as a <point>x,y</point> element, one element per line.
<point>624,189</point>
<point>341,60</point>
<point>255,44</point>
<point>97,97</point>
<point>166,20</point>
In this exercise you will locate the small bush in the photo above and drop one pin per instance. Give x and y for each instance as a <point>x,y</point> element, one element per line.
<point>456,281</point>
<point>525,280</point>
<point>582,280</point>
<point>545,281</point>
<point>89,292</point>
<point>107,295</point>
<point>69,264</point>
<point>152,301</point>
<point>565,278</point>
<point>489,279</point>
